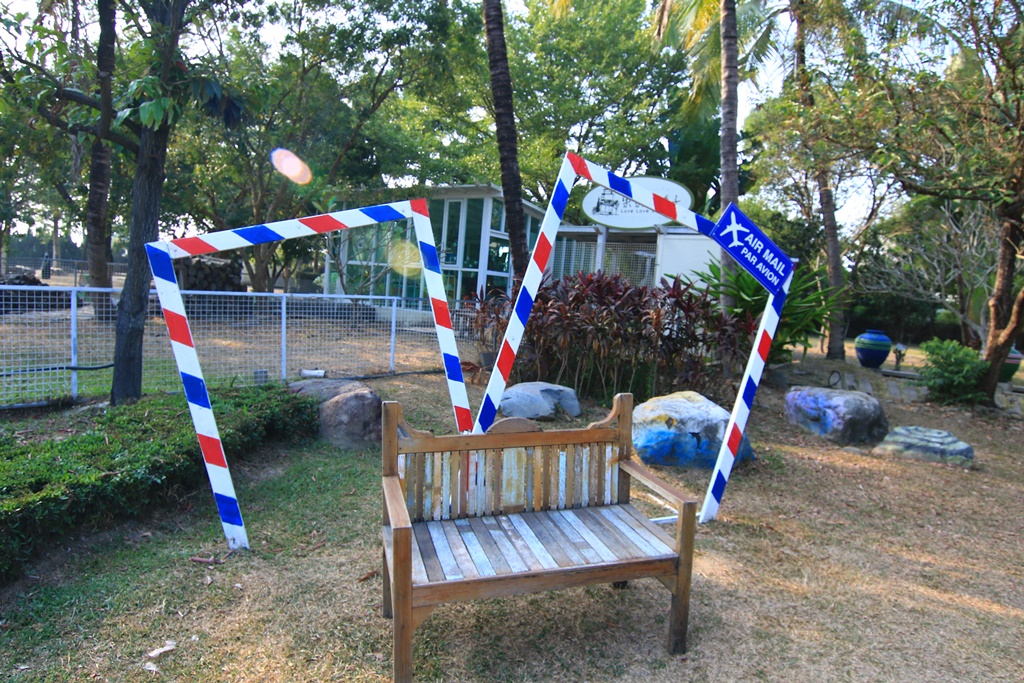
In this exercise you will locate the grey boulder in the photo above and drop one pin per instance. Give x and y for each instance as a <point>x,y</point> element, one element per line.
<point>538,401</point>
<point>843,417</point>
<point>349,411</point>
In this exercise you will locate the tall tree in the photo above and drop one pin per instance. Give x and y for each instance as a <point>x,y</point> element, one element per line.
<point>166,24</point>
<point>505,125</point>
<point>97,234</point>
<point>955,132</point>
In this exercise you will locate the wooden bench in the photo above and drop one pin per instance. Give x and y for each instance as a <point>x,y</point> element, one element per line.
<point>518,510</point>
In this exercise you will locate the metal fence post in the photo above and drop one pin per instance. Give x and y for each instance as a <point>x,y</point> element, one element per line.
<point>394,320</point>
<point>74,343</point>
<point>284,337</point>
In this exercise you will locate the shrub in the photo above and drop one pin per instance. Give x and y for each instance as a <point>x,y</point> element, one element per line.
<point>133,456</point>
<point>806,310</point>
<point>600,334</point>
<point>952,372</point>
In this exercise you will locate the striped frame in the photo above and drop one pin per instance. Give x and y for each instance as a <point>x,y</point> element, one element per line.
<point>573,168</point>
<point>161,255</point>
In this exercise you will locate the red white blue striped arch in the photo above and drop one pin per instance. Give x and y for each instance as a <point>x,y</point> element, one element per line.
<point>573,168</point>
<point>161,256</point>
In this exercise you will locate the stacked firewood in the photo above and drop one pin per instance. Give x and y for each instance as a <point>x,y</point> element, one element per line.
<point>209,274</point>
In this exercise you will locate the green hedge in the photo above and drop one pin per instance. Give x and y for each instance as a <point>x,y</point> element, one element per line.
<point>132,457</point>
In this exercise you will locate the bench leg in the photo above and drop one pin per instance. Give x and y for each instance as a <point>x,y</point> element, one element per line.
<point>401,605</point>
<point>385,606</point>
<point>679,614</point>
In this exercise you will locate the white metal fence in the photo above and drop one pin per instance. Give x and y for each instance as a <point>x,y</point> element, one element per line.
<point>54,344</point>
<point>60,272</point>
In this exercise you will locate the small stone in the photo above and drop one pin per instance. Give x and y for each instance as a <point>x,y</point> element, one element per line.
<point>932,445</point>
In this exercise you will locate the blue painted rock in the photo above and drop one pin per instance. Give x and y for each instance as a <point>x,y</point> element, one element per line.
<point>538,401</point>
<point>683,429</point>
<point>843,417</point>
<point>933,445</point>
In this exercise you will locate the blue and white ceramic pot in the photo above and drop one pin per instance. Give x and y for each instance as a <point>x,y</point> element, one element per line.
<point>872,348</point>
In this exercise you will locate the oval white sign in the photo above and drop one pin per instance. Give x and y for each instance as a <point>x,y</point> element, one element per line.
<point>610,208</point>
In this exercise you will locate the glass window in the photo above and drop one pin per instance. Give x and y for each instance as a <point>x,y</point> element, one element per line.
<point>474,227</point>
<point>498,254</point>
<point>533,229</point>
<point>497,282</point>
<point>450,283</point>
<point>498,216</point>
<point>451,235</point>
<point>468,280</point>
<point>436,208</point>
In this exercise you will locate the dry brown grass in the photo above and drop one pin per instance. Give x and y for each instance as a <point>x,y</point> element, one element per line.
<point>823,565</point>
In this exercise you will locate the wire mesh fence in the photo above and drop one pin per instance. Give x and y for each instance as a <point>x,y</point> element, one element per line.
<point>57,342</point>
<point>60,272</point>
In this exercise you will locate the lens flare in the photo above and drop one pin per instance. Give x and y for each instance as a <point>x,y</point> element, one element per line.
<point>404,258</point>
<point>291,166</point>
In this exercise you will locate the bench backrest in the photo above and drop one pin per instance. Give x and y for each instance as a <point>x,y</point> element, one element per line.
<point>449,477</point>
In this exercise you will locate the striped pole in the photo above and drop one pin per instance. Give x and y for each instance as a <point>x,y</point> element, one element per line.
<point>744,402</point>
<point>198,398</point>
<point>573,168</point>
<point>161,256</point>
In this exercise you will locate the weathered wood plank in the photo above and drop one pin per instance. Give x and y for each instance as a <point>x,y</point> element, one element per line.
<point>590,555</point>
<point>490,548</point>
<point>648,525</point>
<point>629,527</point>
<point>618,543</point>
<point>529,547</point>
<point>476,551</point>
<point>463,484</point>
<point>515,563</point>
<point>460,442</point>
<point>559,547</point>
<point>422,539</point>
<point>419,571</point>
<point>445,556</point>
<point>459,551</point>
<point>588,536</point>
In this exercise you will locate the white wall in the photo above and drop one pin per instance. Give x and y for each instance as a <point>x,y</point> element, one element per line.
<point>683,254</point>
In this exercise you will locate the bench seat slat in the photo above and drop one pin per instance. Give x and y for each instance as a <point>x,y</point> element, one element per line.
<point>648,543</point>
<point>553,540</point>
<point>490,548</point>
<point>590,555</point>
<point>589,537</point>
<point>425,545</point>
<point>458,547</point>
<point>516,564</point>
<point>522,548</point>
<point>536,547</point>
<point>616,541</point>
<point>476,551</point>
<point>444,551</point>
<point>647,524</point>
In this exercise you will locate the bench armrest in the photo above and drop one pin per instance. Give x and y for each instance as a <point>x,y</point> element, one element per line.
<point>653,482</point>
<point>394,503</point>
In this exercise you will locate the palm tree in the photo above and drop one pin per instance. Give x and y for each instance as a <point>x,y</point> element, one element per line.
<point>505,125</point>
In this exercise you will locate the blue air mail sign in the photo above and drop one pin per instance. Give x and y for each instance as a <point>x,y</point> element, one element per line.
<point>752,249</point>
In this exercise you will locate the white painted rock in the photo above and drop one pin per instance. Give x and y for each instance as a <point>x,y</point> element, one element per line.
<point>843,417</point>
<point>538,401</point>
<point>683,429</point>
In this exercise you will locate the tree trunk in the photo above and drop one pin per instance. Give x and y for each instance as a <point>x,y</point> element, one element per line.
<point>837,320</point>
<point>147,191</point>
<point>730,136</point>
<point>505,124</point>
<point>1006,311</point>
<point>97,235</point>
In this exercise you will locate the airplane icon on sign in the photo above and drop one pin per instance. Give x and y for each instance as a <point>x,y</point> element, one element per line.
<point>734,229</point>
